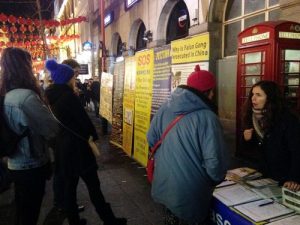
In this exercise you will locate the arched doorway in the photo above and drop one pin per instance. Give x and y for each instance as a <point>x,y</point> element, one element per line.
<point>136,35</point>
<point>116,45</point>
<point>179,22</point>
<point>174,22</point>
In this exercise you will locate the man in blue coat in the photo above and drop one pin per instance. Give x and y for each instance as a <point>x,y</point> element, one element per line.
<point>192,158</point>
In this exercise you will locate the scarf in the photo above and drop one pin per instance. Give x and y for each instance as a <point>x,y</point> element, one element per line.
<point>257,115</point>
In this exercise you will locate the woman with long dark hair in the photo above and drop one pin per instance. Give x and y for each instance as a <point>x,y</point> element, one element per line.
<point>25,111</point>
<point>274,131</point>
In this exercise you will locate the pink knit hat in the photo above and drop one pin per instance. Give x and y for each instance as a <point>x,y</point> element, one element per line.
<point>201,80</point>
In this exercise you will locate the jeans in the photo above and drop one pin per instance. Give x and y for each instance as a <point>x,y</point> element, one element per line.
<point>29,193</point>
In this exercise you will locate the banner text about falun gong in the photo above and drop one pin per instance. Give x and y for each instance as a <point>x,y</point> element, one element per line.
<point>191,49</point>
<point>143,100</point>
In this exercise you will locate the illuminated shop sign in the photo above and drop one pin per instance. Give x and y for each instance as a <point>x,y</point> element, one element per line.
<point>87,46</point>
<point>130,3</point>
<point>109,18</point>
<point>289,35</point>
<point>257,37</point>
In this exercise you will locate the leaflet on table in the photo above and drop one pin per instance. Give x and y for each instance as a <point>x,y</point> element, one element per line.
<point>261,183</point>
<point>269,192</point>
<point>292,220</point>
<point>262,210</point>
<point>242,173</point>
<point>235,194</point>
<point>226,183</point>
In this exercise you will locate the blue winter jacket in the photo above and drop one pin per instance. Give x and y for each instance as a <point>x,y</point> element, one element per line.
<point>24,110</point>
<point>192,158</point>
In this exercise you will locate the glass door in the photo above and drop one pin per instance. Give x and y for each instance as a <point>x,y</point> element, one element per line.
<point>290,74</point>
<point>252,70</point>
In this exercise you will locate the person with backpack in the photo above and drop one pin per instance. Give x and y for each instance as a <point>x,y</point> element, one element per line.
<point>28,116</point>
<point>75,158</point>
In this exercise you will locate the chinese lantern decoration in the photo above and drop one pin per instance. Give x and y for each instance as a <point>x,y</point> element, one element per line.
<point>12,19</point>
<point>37,23</point>
<point>3,19</point>
<point>22,22</point>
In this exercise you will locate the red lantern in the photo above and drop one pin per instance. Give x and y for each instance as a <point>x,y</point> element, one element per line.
<point>29,21</point>
<point>15,36</point>
<point>3,18</point>
<point>21,21</point>
<point>31,28</point>
<point>9,44</point>
<point>23,29</point>
<point>4,29</point>
<point>13,29</point>
<point>37,22</point>
<point>23,36</point>
<point>12,19</point>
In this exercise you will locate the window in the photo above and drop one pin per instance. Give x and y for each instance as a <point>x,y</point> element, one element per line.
<point>241,14</point>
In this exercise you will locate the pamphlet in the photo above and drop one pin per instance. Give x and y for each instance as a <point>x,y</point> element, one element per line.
<point>242,173</point>
<point>235,194</point>
<point>292,220</point>
<point>261,183</point>
<point>226,183</point>
<point>269,192</point>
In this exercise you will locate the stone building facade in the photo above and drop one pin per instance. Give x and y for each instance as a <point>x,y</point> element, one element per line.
<point>141,24</point>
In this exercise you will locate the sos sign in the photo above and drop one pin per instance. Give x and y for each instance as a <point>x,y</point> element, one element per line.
<point>144,60</point>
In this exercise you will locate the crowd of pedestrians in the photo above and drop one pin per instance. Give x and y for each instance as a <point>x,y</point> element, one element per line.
<point>52,117</point>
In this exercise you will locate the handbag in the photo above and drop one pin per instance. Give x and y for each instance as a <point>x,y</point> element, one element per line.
<point>151,162</point>
<point>90,141</point>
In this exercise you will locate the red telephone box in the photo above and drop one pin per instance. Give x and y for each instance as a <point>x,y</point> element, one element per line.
<point>268,51</point>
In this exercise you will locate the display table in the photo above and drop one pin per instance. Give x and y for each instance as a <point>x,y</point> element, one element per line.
<point>223,215</point>
<point>239,204</point>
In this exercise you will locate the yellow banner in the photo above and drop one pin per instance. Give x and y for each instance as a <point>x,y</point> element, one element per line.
<point>128,103</point>
<point>192,49</point>
<point>105,108</point>
<point>143,101</point>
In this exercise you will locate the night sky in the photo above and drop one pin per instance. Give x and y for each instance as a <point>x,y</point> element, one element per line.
<point>26,8</point>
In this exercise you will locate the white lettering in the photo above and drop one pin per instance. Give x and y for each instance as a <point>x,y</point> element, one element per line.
<point>219,219</point>
<point>257,37</point>
<point>289,35</point>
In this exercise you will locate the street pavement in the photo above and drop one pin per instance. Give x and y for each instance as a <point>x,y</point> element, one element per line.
<point>123,183</point>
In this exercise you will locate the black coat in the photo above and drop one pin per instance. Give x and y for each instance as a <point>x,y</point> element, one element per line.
<point>280,150</point>
<point>73,155</point>
<point>95,91</point>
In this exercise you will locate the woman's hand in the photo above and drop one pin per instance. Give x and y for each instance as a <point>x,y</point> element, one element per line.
<point>292,185</point>
<point>248,134</point>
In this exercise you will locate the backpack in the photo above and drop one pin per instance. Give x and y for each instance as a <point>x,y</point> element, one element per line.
<point>9,140</point>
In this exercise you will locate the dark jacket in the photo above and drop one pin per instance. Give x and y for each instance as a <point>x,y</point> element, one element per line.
<point>95,91</point>
<point>73,155</point>
<point>279,150</point>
